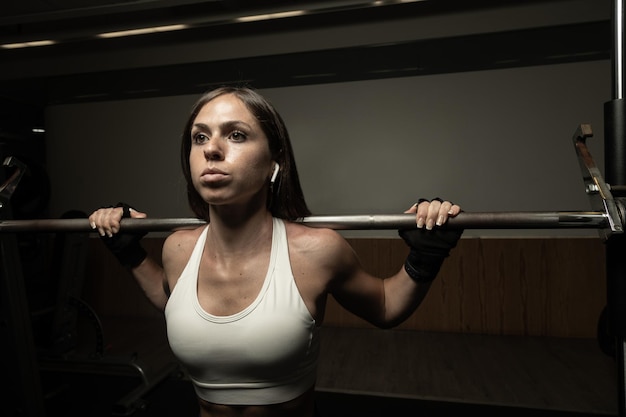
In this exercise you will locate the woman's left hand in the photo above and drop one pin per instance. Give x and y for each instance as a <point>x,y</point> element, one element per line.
<point>433,213</point>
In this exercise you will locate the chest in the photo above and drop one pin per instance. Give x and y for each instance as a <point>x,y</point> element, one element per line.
<point>228,285</point>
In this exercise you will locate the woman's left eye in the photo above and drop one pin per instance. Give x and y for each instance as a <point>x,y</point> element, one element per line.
<point>238,136</point>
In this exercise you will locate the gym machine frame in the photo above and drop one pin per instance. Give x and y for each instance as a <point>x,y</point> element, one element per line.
<point>615,173</point>
<point>607,215</point>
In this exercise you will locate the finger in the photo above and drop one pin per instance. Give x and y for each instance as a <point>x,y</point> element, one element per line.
<point>106,223</point>
<point>109,221</point>
<point>454,210</point>
<point>135,214</point>
<point>433,214</point>
<point>444,212</point>
<point>421,213</point>
<point>98,221</point>
<point>92,219</point>
<point>114,219</point>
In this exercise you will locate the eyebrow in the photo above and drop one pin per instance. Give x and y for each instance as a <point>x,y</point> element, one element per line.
<point>231,124</point>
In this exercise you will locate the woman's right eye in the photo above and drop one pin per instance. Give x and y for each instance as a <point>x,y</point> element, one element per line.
<point>199,138</point>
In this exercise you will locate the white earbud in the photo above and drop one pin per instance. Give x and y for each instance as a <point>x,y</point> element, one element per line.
<point>275,173</point>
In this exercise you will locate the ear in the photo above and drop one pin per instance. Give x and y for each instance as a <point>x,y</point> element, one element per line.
<point>275,173</point>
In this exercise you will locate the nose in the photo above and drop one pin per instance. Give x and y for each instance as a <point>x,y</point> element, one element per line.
<point>213,150</point>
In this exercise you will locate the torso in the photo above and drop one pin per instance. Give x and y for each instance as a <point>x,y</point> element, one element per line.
<point>226,288</point>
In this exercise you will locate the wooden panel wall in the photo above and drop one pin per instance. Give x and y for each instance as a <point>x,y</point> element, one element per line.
<point>529,287</point>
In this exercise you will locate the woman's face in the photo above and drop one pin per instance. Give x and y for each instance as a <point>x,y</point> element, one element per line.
<point>230,160</point>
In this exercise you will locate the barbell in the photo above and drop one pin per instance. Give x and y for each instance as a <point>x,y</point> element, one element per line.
<point>465,220</point>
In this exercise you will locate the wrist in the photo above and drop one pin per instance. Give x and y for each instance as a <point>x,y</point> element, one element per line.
<point>423,267</point>
<point>132,255</point>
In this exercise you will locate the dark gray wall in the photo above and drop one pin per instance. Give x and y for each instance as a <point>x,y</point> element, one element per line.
<point>496,140</point>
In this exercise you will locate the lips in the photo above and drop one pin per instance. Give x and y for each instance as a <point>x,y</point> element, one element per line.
<point>213,175</point>
<point>210,171</point>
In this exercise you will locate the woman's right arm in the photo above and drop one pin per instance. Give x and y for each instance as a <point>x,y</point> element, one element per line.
<point>127,248</point>
<point>151,278</point>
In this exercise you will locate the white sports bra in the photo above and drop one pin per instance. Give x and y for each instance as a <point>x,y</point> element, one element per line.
<point>265,354</point>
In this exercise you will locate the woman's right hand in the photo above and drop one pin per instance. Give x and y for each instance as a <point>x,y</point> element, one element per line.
<point>125,245</point>
<point>107,219</point>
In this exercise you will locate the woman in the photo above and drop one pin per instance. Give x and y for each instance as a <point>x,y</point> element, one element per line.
<point>244,297</point>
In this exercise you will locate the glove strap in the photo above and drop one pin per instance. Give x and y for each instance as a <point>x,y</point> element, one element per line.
<point>423,267</point>
<point>132,255</point>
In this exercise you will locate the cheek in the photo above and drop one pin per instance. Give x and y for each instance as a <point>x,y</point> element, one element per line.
<point>253,164</point>
<point>255,174</point>
<point>196,165</point>
<point>196,159</point>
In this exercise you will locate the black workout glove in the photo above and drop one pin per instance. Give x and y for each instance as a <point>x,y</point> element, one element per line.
<point>125,245</point>
<point>429,248</point>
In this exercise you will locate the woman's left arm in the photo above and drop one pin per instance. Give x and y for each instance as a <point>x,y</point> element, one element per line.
<point>387,302</point>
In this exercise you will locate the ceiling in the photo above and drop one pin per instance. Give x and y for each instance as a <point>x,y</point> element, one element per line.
<point>75,18</point>
<point>24,11</point>
<point>73,23</point>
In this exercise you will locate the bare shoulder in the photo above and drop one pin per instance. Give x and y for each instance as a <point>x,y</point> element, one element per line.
<point>322,245</point>
<point>177,249</point>
<point>182,239</point>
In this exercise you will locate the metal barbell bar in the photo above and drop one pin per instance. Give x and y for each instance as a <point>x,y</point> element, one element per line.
<point>465,220</point>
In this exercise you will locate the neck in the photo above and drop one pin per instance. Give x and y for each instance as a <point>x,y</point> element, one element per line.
<point>238,231</point>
